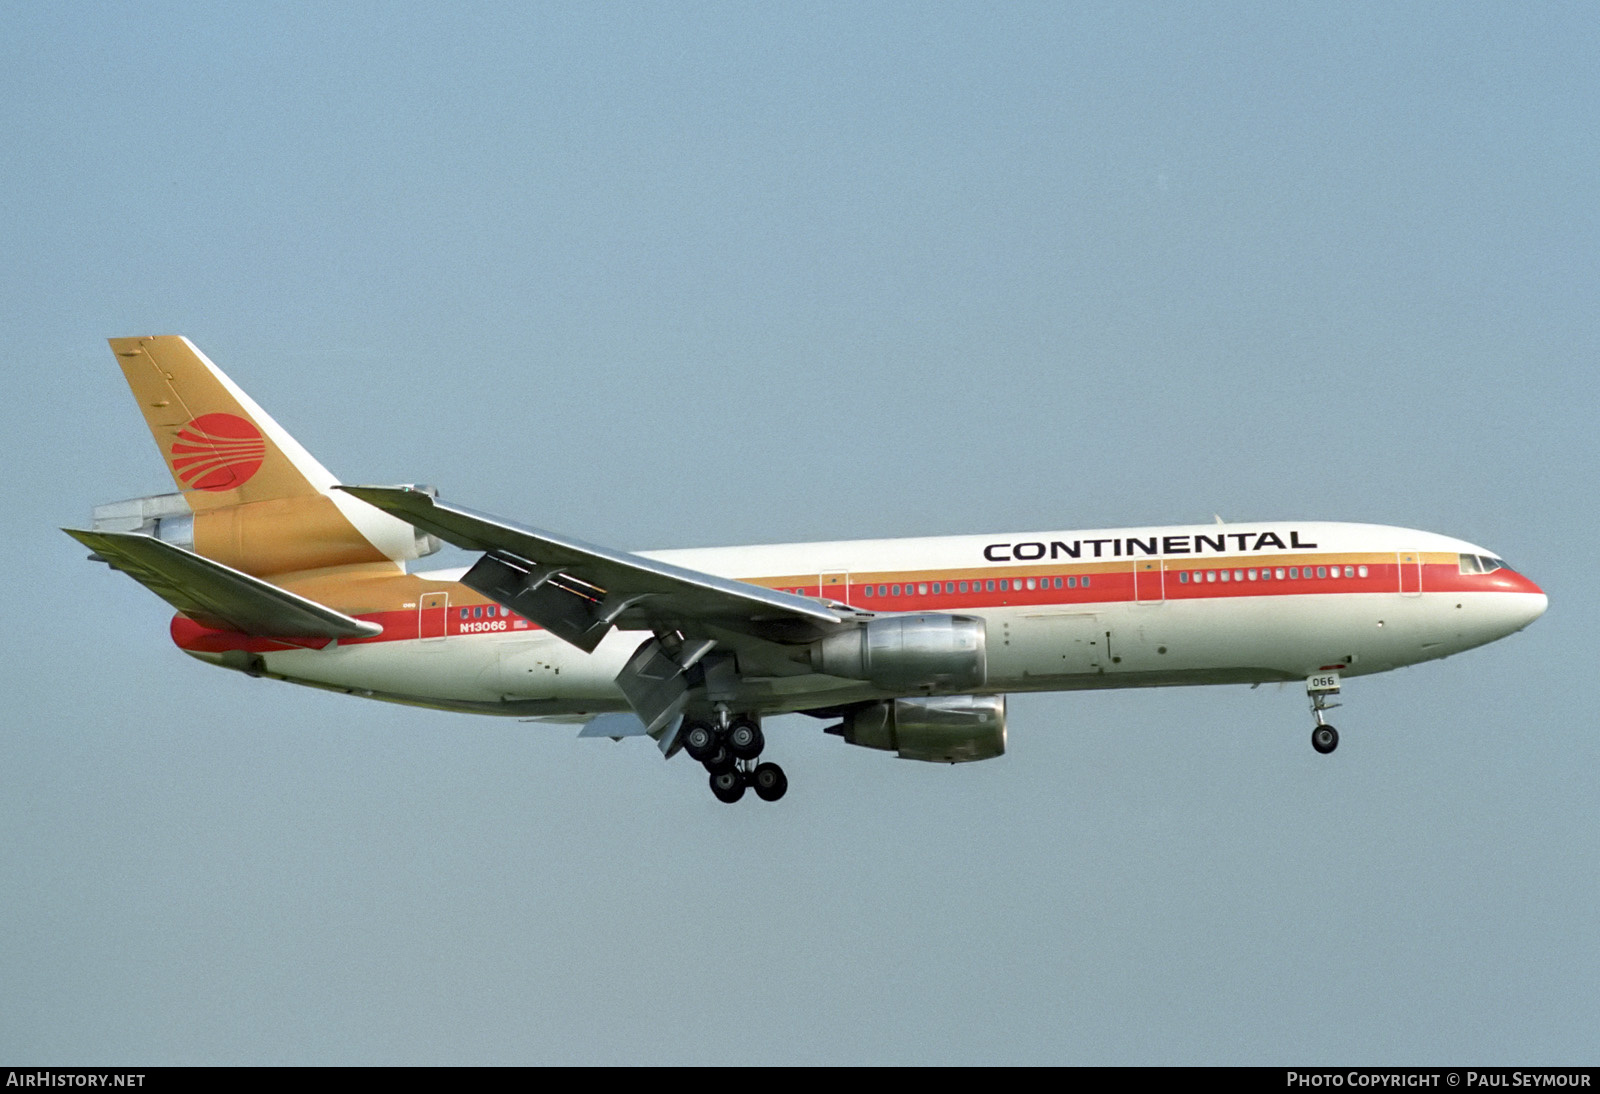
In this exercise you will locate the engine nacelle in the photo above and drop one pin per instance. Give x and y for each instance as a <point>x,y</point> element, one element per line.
<point>946,729</point>
<point>900,652</point>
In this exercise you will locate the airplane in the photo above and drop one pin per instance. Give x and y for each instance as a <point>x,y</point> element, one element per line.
<point>904,645</point>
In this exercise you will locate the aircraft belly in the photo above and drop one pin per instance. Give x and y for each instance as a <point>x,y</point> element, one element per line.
<point>477,669</point>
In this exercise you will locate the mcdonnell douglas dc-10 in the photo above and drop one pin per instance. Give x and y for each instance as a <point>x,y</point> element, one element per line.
<point>906,645</point>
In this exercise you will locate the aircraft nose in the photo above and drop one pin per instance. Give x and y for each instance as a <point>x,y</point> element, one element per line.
<point>1531,602</point>
<point>1535,605</point>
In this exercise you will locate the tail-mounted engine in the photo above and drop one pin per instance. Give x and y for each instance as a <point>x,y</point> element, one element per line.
<point>272,536</point>
<point>948,729</point>
<point>900,652</point>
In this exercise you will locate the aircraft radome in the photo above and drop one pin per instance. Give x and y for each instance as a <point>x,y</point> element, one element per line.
<point>906,645</point>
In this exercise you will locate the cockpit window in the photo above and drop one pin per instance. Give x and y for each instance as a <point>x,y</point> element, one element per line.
<point>1481,564</point>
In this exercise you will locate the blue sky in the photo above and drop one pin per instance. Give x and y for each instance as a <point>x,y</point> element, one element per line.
<point>665,276</point>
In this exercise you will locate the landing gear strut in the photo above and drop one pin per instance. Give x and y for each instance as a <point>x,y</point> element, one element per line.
<point>729,748</point>
<point>1324,738</point>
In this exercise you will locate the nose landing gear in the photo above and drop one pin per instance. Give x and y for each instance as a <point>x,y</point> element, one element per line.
<point>1324,738</point>
<point>729,750</point>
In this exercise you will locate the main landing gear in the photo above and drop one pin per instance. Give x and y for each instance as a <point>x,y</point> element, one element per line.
<point>1324,738</point>
<point>729,749</point>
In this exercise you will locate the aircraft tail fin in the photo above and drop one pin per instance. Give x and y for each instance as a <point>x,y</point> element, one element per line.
<point>262,504</point>
<point>221,448</point>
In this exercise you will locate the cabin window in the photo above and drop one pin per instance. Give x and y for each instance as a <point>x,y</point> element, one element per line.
<point>894,590</point>
<point>1322,571</point>
<point>867,591</point>
<point>466,613</point>
<point>1085,581</point>
<point>1361,571</point>
<point>1349,571</point>
<point>1183,578</point>
<point>1251,574</point>
<point>1277,575</point>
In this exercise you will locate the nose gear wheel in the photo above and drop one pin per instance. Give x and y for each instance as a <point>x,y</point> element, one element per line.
<point>1324,738</point>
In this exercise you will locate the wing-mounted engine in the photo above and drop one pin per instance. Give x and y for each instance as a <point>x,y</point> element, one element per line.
<point>898,652</point>
<point>948,729</point>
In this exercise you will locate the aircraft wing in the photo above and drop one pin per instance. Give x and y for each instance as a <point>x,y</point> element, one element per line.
<point>215,595</point>
<point>579,592</point>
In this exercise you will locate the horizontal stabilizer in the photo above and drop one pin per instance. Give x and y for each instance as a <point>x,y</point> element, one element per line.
<point>218,596</point>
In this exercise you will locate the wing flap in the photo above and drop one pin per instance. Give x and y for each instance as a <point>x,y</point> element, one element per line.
<point>216,595</point>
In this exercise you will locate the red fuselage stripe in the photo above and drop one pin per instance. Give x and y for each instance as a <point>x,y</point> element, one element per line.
<point>471,614</point>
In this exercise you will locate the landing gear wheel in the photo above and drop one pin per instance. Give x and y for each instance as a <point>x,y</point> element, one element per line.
<point>1324,739</point>
<point>728,786</point>
<point>745,739</point>
<point>719,760</point>
<point>770,782</point>
<point>699,740</point>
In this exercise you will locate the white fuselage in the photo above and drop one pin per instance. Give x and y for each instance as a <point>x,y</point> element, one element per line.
<point>1243,603</point>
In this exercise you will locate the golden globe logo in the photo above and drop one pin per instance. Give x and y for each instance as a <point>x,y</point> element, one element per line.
<point>217,452</point>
